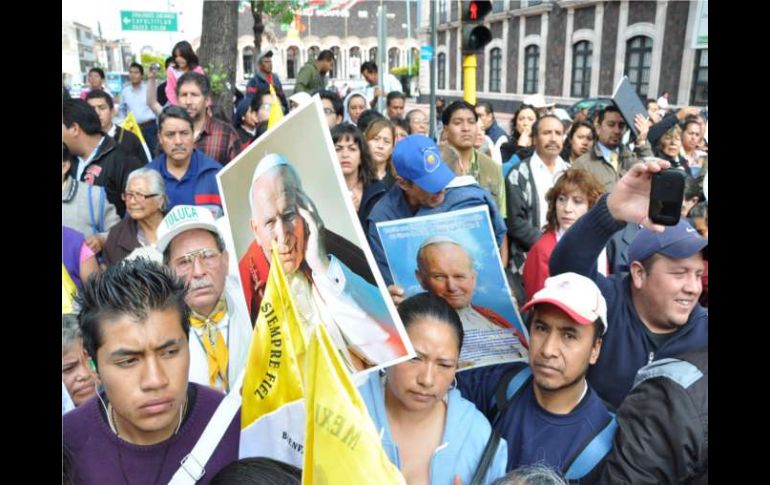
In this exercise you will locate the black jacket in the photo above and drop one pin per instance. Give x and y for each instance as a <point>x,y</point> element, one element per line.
<point>373,192</point>
<point>109,169</point>
<point>130,144</point>
<point>662,434</point>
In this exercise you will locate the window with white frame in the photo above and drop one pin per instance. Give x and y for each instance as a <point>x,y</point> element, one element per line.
<point>292,58</point>
<point>394,58</point>
<point>495,69</point>
<point>531,64</point>
<point>638,63</point>
<point>336,73</point>
<point>581,69</point>
<point>312,53</point>
<point>700,84</point>
<point>441,71</point>
<point>248,62</point>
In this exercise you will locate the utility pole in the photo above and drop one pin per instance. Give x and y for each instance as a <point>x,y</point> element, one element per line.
<point>432,107</point>
<point>382,36</point>
<point>408,39</point>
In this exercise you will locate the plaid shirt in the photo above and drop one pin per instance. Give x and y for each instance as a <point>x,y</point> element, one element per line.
<point>218,140</point>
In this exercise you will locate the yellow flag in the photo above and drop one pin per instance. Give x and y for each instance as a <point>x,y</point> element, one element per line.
<point>276,112</point>
<point>272,411</point>
<point>130,124</point>
<point>68,291</point>
<point>342,444</point>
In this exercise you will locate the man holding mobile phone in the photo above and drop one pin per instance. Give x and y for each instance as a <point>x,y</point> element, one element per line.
<point>653,310</point>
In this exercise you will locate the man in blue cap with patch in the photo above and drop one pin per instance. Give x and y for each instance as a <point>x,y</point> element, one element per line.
<point>653,310</point>
<point>421,177</point>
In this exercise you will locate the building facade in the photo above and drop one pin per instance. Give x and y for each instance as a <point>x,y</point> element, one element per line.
<point>347,28</point>
<point>83,50</point>
<point>573,49</point>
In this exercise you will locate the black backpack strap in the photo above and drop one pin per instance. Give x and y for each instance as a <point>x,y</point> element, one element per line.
<point>508,389</point>
<point>486,458</point>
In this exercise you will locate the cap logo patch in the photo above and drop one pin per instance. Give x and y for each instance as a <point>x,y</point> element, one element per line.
<point>430,160</point>
<point>180,215</point>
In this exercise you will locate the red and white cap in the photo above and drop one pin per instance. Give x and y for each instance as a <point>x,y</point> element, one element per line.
<point>575,295</point>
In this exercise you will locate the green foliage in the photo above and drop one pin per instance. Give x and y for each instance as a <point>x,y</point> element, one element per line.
<point>410,71</point>
<point>147,59</point>
<point>281,11</point>
<point>218,75</point>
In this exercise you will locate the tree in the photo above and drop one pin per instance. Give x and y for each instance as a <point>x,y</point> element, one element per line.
<point>281,10</point>
<point>219,51</point>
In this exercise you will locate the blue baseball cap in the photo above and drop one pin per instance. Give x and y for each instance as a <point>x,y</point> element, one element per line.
<point>416,158</point>
<point>677,242</point>
<point>241,110</point>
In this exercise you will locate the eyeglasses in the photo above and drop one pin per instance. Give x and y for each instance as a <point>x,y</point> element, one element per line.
<point>138,196</point>
<point>207,257</point>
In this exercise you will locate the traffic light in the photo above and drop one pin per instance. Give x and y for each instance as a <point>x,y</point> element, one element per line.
<point>475,34</point>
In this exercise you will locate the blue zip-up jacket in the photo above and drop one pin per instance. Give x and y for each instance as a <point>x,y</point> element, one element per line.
<point>198,185</point>
<point>626,347</point>
<point>494,132</point>
<point>391,206</point>
<point>465,435</point>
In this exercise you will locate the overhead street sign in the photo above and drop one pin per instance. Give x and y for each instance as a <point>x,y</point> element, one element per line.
<point>148,21</point>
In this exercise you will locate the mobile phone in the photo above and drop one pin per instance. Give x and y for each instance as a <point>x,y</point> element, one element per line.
<point>666,197</point>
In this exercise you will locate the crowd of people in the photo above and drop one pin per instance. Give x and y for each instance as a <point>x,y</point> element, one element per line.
<point>155,329</point>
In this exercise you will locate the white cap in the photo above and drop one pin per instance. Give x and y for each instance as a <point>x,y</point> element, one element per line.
<point>576,295</point>
<point>183,218</point>
<point>537,101</point>
<point>562,114</point>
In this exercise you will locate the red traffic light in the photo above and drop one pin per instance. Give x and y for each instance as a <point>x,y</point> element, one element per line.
<point>475,10</point>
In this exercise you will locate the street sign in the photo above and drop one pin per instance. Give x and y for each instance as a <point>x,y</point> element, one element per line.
<point>152,21</point>
<point>426,52</point>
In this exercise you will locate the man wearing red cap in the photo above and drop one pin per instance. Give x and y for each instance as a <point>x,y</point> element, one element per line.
<point>546,409</point>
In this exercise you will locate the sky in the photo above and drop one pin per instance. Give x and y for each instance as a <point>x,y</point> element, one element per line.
<point>107,12</point>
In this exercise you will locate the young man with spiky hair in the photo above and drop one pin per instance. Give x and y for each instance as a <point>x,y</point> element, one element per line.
<point>147,418</point>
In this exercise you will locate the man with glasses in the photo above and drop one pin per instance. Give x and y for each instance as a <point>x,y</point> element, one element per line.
<point>333,109</point>
<point>189,174</point>
<point>417,121</point>
<point>193,248</point>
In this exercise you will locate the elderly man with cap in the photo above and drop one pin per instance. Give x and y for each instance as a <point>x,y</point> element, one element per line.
<point>421,179</point>
<point>547,408</point>
<point>194,249</point>
<point>316,263</point>
<point>654,308</point>
<point>265,77</point>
